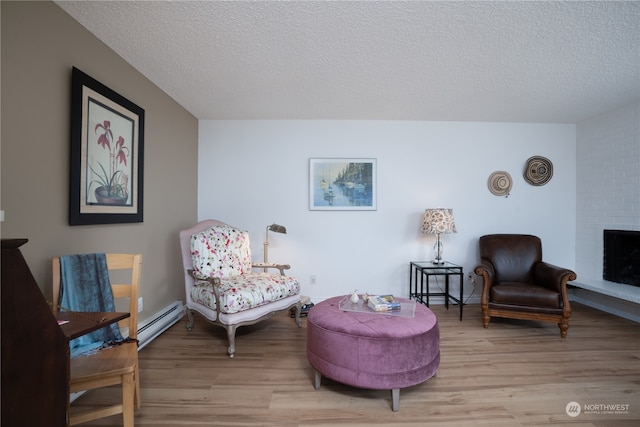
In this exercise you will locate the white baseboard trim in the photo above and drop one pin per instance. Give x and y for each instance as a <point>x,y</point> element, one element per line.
<point>149,329</point>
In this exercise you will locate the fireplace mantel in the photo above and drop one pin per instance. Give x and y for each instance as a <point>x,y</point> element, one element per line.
<point>615,298</point>
<point>617,290</point>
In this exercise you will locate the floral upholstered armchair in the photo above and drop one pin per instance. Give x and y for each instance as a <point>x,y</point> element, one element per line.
<point>221,285</point>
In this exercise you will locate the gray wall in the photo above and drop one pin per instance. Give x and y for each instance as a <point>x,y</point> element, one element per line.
<point>40,45</point>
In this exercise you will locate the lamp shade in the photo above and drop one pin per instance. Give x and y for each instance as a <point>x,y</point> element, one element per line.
<point>277,228</point>
<point>437,221</point>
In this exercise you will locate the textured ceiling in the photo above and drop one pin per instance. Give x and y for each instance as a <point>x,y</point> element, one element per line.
<point>549,62</point>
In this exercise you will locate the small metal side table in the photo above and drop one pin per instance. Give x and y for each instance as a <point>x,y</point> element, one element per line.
<point>427,269</point>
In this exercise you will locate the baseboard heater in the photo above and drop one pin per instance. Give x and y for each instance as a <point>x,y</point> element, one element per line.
<point>159,322</point>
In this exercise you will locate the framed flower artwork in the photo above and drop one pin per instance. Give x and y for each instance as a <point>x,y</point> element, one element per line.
<point>107,141</point>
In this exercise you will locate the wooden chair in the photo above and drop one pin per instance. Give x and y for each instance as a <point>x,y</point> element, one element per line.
<point>113,365</point>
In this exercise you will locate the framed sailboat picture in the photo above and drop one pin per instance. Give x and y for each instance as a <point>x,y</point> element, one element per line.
<point>342,184</point>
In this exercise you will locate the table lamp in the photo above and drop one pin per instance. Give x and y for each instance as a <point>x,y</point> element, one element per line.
<point>438,221</point>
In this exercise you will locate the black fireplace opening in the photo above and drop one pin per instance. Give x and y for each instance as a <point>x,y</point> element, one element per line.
<point>622,257</point>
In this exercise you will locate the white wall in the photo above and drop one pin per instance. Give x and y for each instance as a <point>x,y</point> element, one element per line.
<point>608,187</point>
<point>253,173</point>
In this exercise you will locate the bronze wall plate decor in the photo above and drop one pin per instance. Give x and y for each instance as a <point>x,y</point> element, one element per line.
<point>538,171</point>
<point>500,183</point>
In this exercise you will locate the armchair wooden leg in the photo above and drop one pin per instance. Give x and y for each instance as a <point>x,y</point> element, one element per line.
<point>564,327</point>
<point>298,311</point>
<point>231,335</point>
<point>485,318</point>
<point>190,319</point>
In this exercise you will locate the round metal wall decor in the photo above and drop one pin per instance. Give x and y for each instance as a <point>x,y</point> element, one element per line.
<point>538,171</point>
<point>500,183</point>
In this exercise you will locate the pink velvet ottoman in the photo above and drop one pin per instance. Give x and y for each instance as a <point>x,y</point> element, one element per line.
<point>371,350</point>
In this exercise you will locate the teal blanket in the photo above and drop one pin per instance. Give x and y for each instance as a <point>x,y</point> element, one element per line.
<point>85,286</point>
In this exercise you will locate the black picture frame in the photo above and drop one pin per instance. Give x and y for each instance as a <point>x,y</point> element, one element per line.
<point>107,155</point>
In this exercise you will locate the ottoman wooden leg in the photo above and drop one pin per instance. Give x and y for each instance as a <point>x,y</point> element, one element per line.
<point>395,399</point>
<point>317,379</point>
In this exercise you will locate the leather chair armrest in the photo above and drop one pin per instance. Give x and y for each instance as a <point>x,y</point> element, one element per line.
<point>552,277</point>
<point>486,270</point>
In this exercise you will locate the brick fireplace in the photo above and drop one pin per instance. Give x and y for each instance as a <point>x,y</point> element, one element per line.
<point>607,198</point>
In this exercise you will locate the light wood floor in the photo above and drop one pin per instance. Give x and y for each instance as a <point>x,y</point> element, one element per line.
<point>516,373</point>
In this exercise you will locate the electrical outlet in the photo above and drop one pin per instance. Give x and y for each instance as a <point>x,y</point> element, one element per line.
<point>140,305</point>
<point>312,279</point>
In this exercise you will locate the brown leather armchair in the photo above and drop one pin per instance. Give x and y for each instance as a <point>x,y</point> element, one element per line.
<point>518,284</point>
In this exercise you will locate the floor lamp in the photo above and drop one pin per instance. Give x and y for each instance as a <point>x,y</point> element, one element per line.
<point>276,228</point>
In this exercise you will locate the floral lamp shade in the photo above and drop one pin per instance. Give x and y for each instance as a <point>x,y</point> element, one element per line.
<point>438,221</point>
